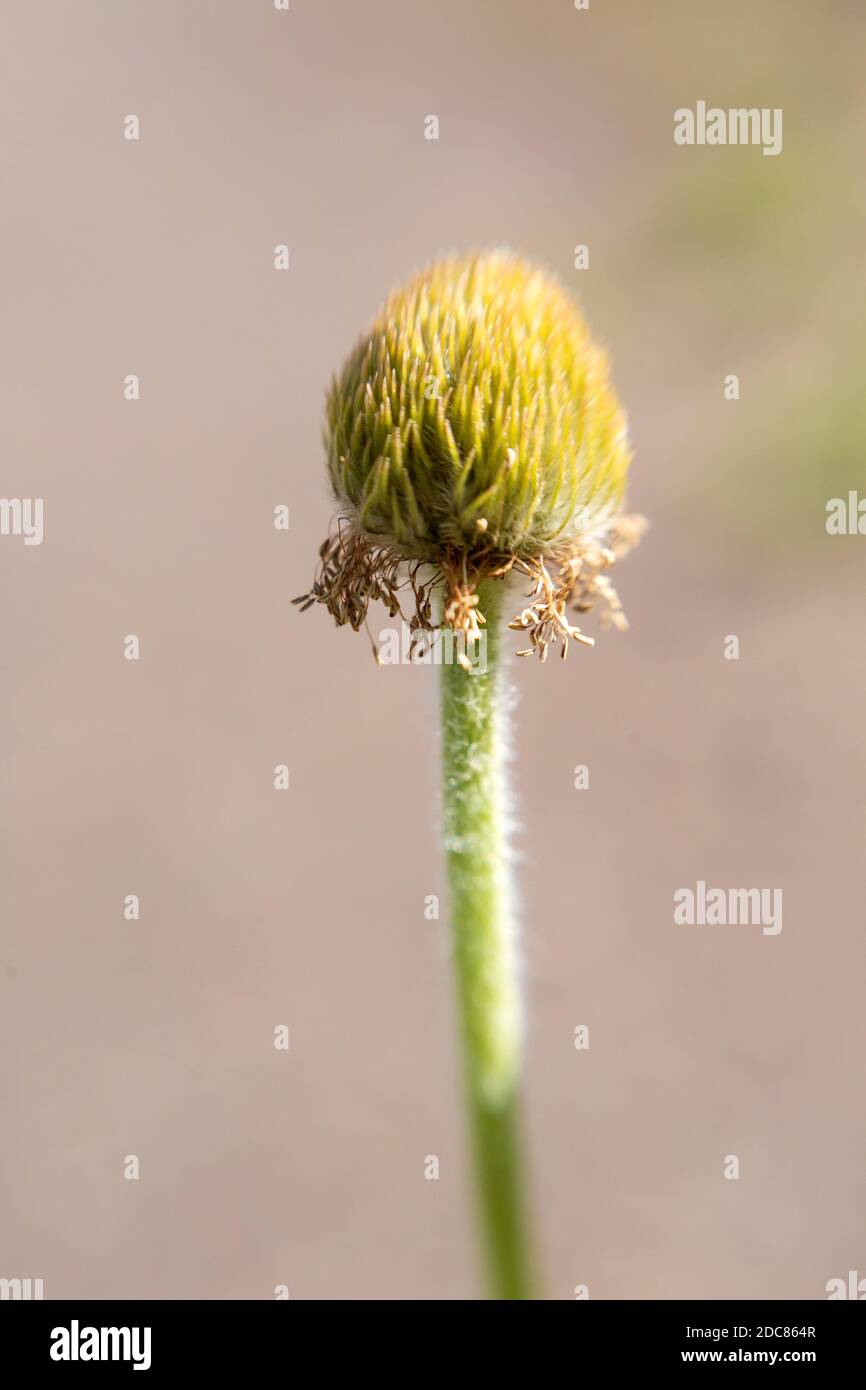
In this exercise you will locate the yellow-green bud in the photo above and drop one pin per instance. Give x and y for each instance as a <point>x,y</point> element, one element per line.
<point>472,433</point>
<point>477,413</point>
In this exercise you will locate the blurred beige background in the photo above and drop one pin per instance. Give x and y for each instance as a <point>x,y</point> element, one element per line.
<point>258,908</point>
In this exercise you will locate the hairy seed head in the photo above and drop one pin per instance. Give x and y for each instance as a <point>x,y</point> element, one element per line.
<point>477,414</point>
<point>474,433</point>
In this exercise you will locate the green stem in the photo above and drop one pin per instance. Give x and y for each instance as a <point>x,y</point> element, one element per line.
<point>484,944</point>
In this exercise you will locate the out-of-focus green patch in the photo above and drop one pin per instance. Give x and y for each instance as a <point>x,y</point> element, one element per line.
<point>770,250</point>
<point>741,231</point>
<point>792,453</point>
<point>727,202</point>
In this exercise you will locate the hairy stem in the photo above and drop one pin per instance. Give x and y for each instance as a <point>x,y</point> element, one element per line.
<point>484,944</point>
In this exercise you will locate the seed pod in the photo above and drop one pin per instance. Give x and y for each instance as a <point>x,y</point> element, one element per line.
<point>474,431</point>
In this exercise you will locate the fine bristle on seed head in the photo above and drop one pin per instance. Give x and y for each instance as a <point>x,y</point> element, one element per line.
<point>474,434</point>
<point>476,414</point>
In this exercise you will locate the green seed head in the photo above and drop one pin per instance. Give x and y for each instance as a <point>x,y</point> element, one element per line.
<point>477,416</point>
<point>474,435</point>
